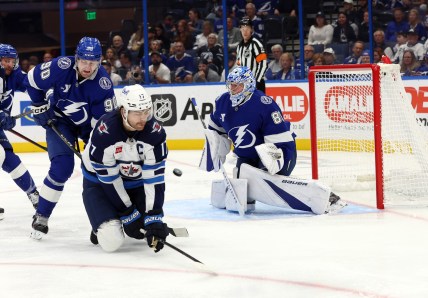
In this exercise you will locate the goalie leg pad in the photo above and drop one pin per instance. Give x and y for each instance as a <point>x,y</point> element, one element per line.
<point>222,198</point>
<point>110,235</point>
<point>286,192</point>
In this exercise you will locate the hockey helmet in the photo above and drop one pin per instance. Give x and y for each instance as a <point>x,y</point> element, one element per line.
<point>135,98</point>
<point>7,51</point>
<point>89,48</point>
<point>241,75</point>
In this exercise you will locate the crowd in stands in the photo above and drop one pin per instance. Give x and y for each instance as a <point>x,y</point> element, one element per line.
<point>188,48</point>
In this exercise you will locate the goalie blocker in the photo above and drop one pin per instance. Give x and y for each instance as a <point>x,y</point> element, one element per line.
<point>275,190</point>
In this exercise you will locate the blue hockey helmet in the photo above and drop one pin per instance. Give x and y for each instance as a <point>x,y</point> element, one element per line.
<point>7,51</point>
<point>89,48</point>
<point>241,75</point>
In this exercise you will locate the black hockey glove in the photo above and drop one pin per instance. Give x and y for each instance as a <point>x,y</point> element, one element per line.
<point>156,229</point>
<point>132,222</point>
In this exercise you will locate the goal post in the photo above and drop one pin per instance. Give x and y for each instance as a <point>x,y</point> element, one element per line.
<point>365,134</point>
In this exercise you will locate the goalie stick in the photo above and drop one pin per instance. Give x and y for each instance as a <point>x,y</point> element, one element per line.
<point>223,171</point>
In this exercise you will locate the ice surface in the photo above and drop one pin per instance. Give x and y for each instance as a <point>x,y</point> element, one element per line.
<point>360,252</point>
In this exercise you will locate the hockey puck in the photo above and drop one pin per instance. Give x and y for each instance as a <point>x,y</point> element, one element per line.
<point>177,172</point>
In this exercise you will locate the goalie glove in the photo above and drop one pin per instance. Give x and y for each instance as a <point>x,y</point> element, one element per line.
<point>271,157</point>
<point>215,150</point>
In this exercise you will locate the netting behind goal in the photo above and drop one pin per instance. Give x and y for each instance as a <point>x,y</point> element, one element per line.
<point>365,134</point>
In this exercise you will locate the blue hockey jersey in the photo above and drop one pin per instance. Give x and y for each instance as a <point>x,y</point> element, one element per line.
<point>122,160</point>
<point>8,86</point>
<point>258,120</point>
<point>82,102</point>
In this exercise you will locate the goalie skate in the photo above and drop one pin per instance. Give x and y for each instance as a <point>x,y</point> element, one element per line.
<point>1,213</point>
<point>336,204</point>
<point>40,227</point>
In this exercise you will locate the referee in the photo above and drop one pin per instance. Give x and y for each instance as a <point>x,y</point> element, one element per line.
<point>250,53</point>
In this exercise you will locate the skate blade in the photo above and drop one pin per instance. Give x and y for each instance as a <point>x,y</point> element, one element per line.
<point>36,235</point>
<point>335,208</point>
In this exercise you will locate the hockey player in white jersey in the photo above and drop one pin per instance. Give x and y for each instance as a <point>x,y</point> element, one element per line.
<point>123,169</point>
<point>265,147</point>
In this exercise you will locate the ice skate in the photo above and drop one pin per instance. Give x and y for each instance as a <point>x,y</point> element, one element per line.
<point>40,226</point>
<point>336,204</point>
<point>1,213</point>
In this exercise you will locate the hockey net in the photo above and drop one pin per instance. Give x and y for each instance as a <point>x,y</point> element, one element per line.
<point>365,134</point>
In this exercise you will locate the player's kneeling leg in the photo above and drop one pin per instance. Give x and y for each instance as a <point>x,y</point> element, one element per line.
<point>110,235</point>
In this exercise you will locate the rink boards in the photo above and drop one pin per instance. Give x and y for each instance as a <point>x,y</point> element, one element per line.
<point>174,110</point>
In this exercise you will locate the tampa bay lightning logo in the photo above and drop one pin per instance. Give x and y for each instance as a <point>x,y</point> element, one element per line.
<point>75,111</point>
<point>266,100</point>
<point>242,137</point>
<point>105,83</point>
<point>64,62</point>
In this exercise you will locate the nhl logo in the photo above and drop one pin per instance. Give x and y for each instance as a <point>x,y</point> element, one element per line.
<point>162,109</point>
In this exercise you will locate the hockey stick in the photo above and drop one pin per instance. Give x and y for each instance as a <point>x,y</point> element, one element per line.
<point>223,171</point>
<point>27,139</point>
<point>22,114</point>
<point>64,139</point>
<point>178,232</point>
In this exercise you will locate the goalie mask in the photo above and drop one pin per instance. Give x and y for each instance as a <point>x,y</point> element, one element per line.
<point>135,98</point>
<point>7,51</point>
<point>241,84</point>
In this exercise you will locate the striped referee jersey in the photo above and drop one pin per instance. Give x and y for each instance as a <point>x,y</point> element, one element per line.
<point>252,55</point>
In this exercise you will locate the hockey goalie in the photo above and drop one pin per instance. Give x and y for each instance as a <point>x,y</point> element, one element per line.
<point>266,153</point>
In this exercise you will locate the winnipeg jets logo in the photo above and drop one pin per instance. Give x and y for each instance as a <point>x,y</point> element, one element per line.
<point>74,110</point>
<point>242,137</point>
<point>102,128</point>
<point>66,88</point>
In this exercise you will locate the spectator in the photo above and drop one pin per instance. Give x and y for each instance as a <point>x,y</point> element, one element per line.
<point>409,64</point>
<point>329,56</point>
<point>155,46</point>
<point>258,26</point>
<point>213,53</point>
<point>365,57</point>
<point>183,35</point>
<point>195,22</point>
<point>379,42</point>
<point>351,14</point>
<point>320,32</point>
<point>318,59</point>
<point>234,36</point>
<point>180,64</point>
<point>423,69</point>
<point>168,27</point>
<point>343,32</point>
<point>412,44</point>
<point>161,35</point>
<point>118,45</point>
<point>135,42</point>
<point>416,25</point>
<point>133,76</point>
<point>114,77</point>
<point>363,28</point>
<point>275,65</point>
<point>231,63</point>
<point>111,57</point>
<point>287,71</point>
<point>377,54</point>
<point>363,7</point>
<point>159,72</point>
<point>286,8</point>
<point>205,74</point>
<point>202,38</point>
<point>25,65</point>
<point>357,50</point>
<point>34,60</point>
<point>47,56</point>
<point>398,24</point>
<point>401,40</point>
<point>125,64</point>
<point>308,53</point>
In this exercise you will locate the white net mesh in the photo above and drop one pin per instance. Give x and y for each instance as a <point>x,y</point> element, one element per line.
<point>345,135</point>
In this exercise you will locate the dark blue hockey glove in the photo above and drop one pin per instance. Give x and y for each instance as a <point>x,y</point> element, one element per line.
<point>43,114</point>
<point>132,222</point>
<point>156,229</point>
<point>6,122</point>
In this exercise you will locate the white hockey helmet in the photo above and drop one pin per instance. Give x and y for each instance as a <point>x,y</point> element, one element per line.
<point>135,98</point>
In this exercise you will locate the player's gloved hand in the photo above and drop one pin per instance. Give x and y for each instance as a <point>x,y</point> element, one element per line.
<point>215,150</point>
<point>6,122</point>
<point>43,113</point>
<point>156,229</point>
<point>132,222</point>
<point>271,157</point>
